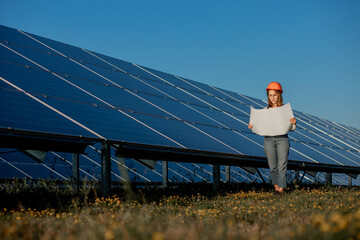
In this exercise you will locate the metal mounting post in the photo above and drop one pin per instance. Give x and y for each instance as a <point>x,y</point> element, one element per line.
<point>328,178</point>
<point>227,174</point>
<point>350,181</point>
<point>75,172</point>
<point>105,168</point>
<point>165,174</point>
<point>216,177</point>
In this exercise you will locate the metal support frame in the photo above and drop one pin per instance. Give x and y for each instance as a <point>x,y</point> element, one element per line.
<point>37,155</point>
<point>227,174</point>
<point>311,173</point>
<point>251,170</point>
<point>302,177</point>
<point>350,181</point>
<point>328,178</point>
<point>176,154</point>
<point>42,141</point>
<point>297,175</point>
<point>257,170</point>
<point>216,177</point>
<point>122,169</point>
<point>165,172</point>
<point>105,168</point>
<point>352,176</point>
<point>147,153</point>
<point>147,163</point>
<point>76,173</point>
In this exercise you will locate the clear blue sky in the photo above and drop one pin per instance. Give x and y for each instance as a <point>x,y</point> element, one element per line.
<point>312,47</point>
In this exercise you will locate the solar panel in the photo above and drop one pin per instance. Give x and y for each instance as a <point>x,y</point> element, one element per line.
<point>54,88</point>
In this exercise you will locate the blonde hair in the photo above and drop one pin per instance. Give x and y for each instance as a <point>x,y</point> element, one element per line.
<point>280,100</point>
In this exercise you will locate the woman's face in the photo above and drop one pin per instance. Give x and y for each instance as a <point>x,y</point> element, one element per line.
<point>274,97</point>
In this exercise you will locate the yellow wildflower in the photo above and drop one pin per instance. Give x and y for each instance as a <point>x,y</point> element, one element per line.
<point>157,236</point>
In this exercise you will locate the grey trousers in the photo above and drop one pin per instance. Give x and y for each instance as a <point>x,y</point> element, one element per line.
<point>277,151</point>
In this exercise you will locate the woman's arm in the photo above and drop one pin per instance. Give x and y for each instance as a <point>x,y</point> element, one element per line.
<point>293,122</point>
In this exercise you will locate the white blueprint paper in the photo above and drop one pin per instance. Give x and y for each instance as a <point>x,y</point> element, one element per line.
<point>271,121</point>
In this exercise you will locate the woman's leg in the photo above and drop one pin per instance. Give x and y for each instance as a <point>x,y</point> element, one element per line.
<point>270,151</point>
<point>282,146</point>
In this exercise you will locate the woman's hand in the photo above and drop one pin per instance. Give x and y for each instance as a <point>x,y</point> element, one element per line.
<point>293,121</point>
<point>250,126</point>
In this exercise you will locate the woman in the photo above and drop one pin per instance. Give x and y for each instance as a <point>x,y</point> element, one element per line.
<point>277,147</point>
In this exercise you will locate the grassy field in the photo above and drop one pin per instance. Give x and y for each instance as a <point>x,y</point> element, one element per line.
<point>237,211</point>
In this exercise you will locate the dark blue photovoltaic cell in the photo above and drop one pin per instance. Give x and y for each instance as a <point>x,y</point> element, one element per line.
<point>312,139</point>
<point>331,137</point>
<point>155,82</point>
<point>337,179</point>
<point>320,154</point>
<point>200,89</point>
<point>315,139</point>
<point>333,129</point>
<point>33,116</point>
<point>182,116</point>
<point>129,100</point>
<point>91,114</point>
<point>141,173</point>
<point>186,113</point>
<point>121,101</point>
<point>88,169</point>
<point>207,143</point>
<point>27,165</point>
<point>344,134</point>
<point>233,101</point>
<point>8,171</point>
<point>342,179</point>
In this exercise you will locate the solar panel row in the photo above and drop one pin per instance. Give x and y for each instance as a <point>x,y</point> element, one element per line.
<point>52,87</point>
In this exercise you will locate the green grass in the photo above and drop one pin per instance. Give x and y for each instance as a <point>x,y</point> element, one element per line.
<point>189,211</point>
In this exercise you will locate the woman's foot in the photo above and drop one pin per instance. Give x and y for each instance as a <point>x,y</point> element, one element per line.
<point>279,190</point>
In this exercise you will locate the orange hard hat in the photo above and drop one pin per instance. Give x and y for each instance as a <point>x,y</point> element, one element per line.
<point>274,86</point>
